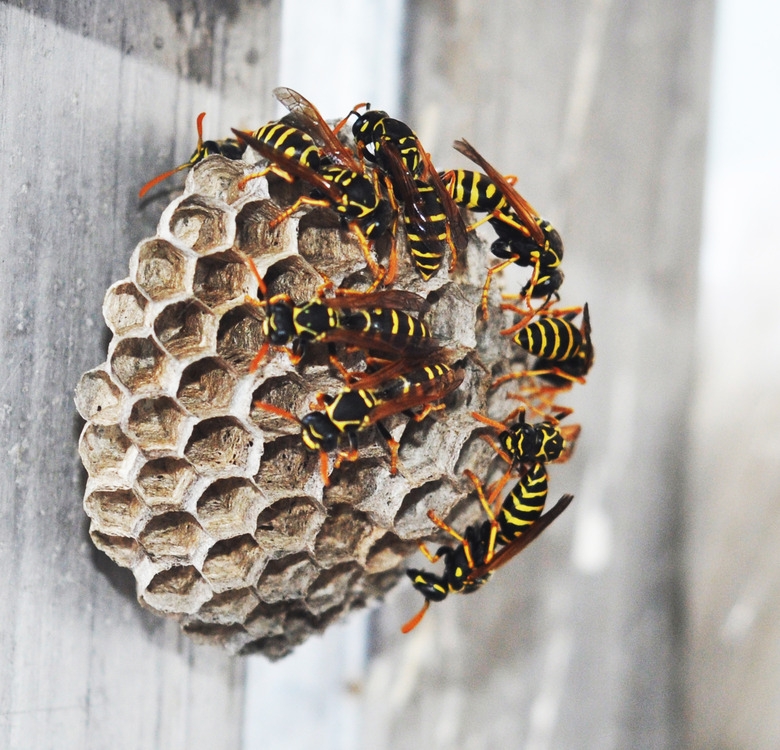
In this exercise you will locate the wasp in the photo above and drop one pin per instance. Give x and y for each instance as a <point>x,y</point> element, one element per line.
<point>485,547</point>
<point>431,217</point>
<point>230,148</point>
<point>337,177</point>
<point>524,442</point>
<point>372,321</point>
<point>523,237</point>
<point>375,397</point>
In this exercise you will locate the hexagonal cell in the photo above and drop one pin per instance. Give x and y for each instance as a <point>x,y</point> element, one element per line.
<point>330,588</point>
<point>124,308</point>
<point>206,388</point>
<point>265,620</point>
<point>221,280</point>
<point>114,512</point>
<point>346,535</point>
<point>230,507</point>
<point>229,607</point>
<point>203,224</point>
<point>163,483</point>
<point>173,536</point>
<point>157,424</point>
<point>240,336</point>
<point>293,276</point>
<point>139,364</point>
<point>231,637</point>
<point>106,451</point>
<point>323,243</point>
<point>221,445</point>
<point>411,521</point>
<point>123,550</point>
<point>289,526</point>
<point>286,467</point>
<point>387,553</point>
<point>233,563</point>
<point>216,177</point>
<point>177,590</point>
<point>254,237</point>
<point>163,271</point>
<point>288,392</point>
<point>187,329</point>
<point>98,399</point>
<point>287,578</point>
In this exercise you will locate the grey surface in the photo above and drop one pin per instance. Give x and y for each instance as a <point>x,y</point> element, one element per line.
<point>96,99</point>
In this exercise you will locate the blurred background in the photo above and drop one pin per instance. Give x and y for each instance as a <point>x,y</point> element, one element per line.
<point>647,133</point>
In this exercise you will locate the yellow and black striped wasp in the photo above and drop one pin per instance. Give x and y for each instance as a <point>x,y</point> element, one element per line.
<point>564,352</point>
<point>375,322</point>
<point>524,442</point>
<point>431,218</point>
<point>230,148</point>
<point>485,547</point>
<point>523,237</point>
<point>338,178</point>
<point>375,397</point>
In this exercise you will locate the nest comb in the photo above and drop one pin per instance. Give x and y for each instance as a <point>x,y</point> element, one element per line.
<point>215,505</point>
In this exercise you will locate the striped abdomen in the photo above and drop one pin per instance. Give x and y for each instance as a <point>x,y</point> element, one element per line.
<point>291,143</point>
<point>524,504</point>
<point>393,327</point>
<point>426,231</point>
<point>554,339</point>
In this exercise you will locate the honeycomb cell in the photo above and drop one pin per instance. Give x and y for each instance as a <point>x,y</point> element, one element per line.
<point>164,483</point>
<point>287,468</point>
<point>229,507</point>
<point>255,238</point>
<point>240,336</point>
<point>330,588</point>
<point>162,271</point>
<point>323,243</point>
<point>293,276</point>
<point>158,424</point>
<point>114,512</point>
<point>203,224</point>
<point>177,590</point>
<point>124,308</point>
<point>216,177</point>
<point>233,562</point>
<point>98,399</point>
<point>346,535</point>
<point>206,388</point>
<point>288,578</point>
<point>173,537</point>
<point>387,553</point>
<point>289,526</point>
<point>221,281</point>
<point>287,392</point>
<point>412,520</point>
<point>124,551</point>
<point>266,620</point>
<point>229,607</point>
<point>231,637</point>
<point>222,445</point>
<point>187,329</point>
<point>107,452</point>
<point>139,364</point>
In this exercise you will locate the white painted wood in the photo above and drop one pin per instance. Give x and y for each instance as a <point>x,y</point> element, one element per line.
<point>96,99</point>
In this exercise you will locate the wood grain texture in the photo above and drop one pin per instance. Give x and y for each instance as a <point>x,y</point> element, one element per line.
<point>85,120</point>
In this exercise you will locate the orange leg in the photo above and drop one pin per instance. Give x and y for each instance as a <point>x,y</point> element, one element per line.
<point>365,246</point>
<point>491,272</point>
<point>271,169</point>
<point>445,527</point>
<point>415,621</point>
<point>289,211</point>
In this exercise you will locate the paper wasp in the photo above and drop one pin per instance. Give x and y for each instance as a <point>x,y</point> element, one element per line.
<point>485,547</point>
<point>523,237</point>
<point>338,178</point>
<point>374,397</point>
<point>431,218</point>
<point>525,442</point>
<point>230,148</point>
<point>371,321</point>
<point>564,352</point>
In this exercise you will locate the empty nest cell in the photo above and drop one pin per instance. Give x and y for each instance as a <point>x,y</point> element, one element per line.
<point>221,445</point>
<point>233,562</point>
<point>164,483</point>
<point>163,271</point>
<point>230,507</point>
<point>179,589</point>
<point>98,399</point>
<point>138,364</point>
<point>158,424</point>
<point>206,388</point>
<point>124,308</point>
<point>173,537</point>
<point>187,329</point>
<point>221,280</point>
<point>289,526</point>
<point>202,224</point>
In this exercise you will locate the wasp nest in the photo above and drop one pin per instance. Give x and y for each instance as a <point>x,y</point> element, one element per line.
<point>214,504</point>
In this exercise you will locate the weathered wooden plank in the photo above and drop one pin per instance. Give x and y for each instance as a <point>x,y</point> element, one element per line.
<point>92,108</point>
